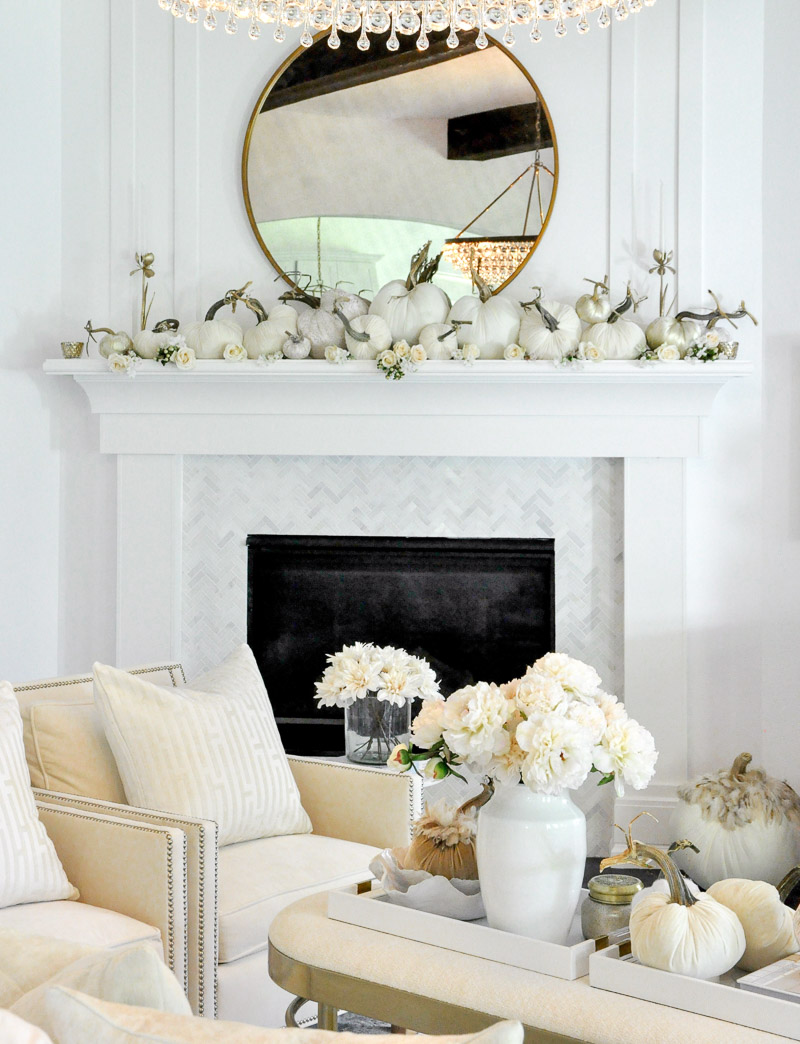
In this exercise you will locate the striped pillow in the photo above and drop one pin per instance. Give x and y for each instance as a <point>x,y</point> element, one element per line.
<point>30,870</point>
<point>211,750</point>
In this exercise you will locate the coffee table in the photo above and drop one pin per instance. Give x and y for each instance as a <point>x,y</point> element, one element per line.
<point>433,990</point>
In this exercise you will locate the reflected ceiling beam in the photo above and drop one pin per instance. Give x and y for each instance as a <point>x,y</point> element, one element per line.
<point>498,132</point>
<point>320,70</point>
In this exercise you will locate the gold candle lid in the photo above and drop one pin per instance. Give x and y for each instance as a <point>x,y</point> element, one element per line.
<point>615,889</point>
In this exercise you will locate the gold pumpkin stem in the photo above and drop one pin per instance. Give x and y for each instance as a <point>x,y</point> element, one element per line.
<point>789,883</point>
<point>740,764</point>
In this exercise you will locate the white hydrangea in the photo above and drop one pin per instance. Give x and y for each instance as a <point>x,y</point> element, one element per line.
<point>474,724</point>
<point>574,675</point>
<point>559,753</point>
<point>629,751</point>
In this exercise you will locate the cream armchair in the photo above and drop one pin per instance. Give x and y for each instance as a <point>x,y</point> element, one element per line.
<point>233,892</point>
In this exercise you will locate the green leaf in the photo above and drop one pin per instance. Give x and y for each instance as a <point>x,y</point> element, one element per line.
<point>608,778</point>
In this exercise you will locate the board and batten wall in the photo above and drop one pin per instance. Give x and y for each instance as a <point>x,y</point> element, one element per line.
<point>130,137</point>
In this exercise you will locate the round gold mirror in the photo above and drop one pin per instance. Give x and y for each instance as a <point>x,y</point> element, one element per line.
<point>354,159</point>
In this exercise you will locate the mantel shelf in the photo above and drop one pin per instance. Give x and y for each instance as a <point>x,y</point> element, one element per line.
<point>490,408</point>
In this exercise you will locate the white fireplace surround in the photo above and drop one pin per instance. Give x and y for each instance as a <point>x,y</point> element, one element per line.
<point>651,416</point>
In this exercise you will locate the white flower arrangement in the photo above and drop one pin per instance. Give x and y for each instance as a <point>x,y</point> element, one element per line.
<point>466,353</point>
<point>268,358</point>
<point>548,730</point>
<point>400,359</point>
<point>363,669</point>
<point>336,356</point>
<point>168,352</point>
<point>124,362</point>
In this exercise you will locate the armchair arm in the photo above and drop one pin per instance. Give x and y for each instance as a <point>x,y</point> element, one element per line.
<point>357,802</point>
<point>201,885</point>
<point>134,868</point>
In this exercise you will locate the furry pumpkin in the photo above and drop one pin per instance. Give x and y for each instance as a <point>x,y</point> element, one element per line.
<point>443,841</point>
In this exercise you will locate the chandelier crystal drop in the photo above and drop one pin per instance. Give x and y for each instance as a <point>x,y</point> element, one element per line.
<point>406,17</point>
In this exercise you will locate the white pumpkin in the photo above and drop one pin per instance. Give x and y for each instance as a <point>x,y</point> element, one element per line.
<point>322,328</point>
<point>296,347</point>
<point>410,305</point>
<point>147,342</point>
<point>268,337</point>
<point>744,823</point>
<point>350,305</point>
<point>114,342</point>
<point>285,315</point>
<point>549,330</point>
<point>366,336</point>
<point>209,337</point>
<point>489,321</point>
<point>678,932</point>
<point>439,340</point>
<point>595,307</point>
<point>681,333</point>
<point>768,924</point>
<point>619,338</point>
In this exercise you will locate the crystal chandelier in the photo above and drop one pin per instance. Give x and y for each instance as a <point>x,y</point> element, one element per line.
<point>405,17</point>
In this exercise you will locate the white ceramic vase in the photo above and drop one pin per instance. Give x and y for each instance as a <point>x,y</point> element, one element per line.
<point>531,852</point>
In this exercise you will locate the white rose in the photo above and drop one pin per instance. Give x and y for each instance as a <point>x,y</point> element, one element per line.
<point>333,354</point>
<point>402,349</point>
<point>574,675</point>
<point>234,353</point>
<point>418,354</point>
<point>559,753</point>
<point>712,338</point>
<point>470,352</point>
<point>629,751</point>
<point>591,352</point>
<point>388,359</point>
<point>668,353</point>
<point>118,363</point>
<point>185,358</point>
<point>514,352</point>
<point>426,728</point>
<point>474,720</point>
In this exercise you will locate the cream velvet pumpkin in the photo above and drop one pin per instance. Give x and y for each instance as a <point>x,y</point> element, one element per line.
<point>406,310</point>
<point>268,337</point>
<point>682,333</point>
<point>114,342</point>
<point>439,340</point>
<point>147,342</point>
<point>595,307</point>
<point>366,336</point>
<point>622,339</point>
<point>703,940</point>
<point>549,330</point>
<point>768,924</point>
<point>209,337</point>
<point>489,321</point>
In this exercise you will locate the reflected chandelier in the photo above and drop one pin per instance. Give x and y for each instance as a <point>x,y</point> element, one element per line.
<point>405,17</point>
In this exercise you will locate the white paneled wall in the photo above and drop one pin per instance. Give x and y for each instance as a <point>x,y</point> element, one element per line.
<point>664,113</point>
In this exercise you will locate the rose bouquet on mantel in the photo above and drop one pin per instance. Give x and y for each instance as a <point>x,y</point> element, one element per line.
<point>375,685</point>
<point>547,730</point>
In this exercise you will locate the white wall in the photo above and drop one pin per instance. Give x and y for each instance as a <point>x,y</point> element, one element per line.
<point>153,115</point>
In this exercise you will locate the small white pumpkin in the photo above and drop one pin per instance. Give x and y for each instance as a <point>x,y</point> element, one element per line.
<point>678,932</point>
<point>768,924</point>
<point>350,305</point>
<point>296,347</point>
<point>268,336</point>
<point>322,328</point>
<point>488,321</point>
<point>409,306</point>
<point>439,340</point>
<point>114,342</point>
<point>595,307</point>
<point>147,342</point>
<point>681,333</point>
<point>284,314</point>
<point>549,330</point>
<point>745,824</point>
<point>366,336</point>
<point>619,338</point>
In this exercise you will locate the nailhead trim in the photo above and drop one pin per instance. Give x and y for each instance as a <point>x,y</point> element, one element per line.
<point>59,683</point>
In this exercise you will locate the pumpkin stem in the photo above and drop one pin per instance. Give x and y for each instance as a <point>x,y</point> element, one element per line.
<point>355,334</point>
<point>449,331</point>
<point>422,270</point>
<point>480,799</point>
<point>622,307</point>
<point>642,855</point>
<point>485,291</point>
<point>166,325</point>
<point>740,764</point>
<point>548,319</point>
<point>788,884</point>
<point>601,288</point>
<point>712,318</point>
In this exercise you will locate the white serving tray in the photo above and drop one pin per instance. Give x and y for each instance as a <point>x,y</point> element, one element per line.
<point>372,910</point>
<point>621,973</point>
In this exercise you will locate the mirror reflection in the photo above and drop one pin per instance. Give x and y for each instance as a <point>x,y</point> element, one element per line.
<point>354,159</point>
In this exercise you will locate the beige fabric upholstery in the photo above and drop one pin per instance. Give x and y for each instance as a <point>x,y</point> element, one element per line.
<point>237,1001</point>
<point>14,1030</point>
<point>201,883</point>
<point>79,1019</point>
<point>258,878</point>
<point>135,868</point>
<point>132,976</point>
<point>357,802</point>
<point>72,752</point>
<point>81,926</point>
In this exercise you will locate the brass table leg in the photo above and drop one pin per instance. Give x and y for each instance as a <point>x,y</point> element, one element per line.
<point>327,1017</point>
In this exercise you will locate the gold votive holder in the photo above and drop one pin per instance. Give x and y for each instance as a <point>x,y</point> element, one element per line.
<point>729,350</point>
<point>72,349</point>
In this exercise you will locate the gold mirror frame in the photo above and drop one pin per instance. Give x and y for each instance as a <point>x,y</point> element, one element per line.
<point>302,50</point>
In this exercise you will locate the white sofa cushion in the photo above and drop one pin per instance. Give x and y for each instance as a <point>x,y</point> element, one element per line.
<point>80,924</point>
<point>80,1019</point>
<point>30,870</point>
<point>14,1030</point>
<point>211,750</point>
<point>258,878</point>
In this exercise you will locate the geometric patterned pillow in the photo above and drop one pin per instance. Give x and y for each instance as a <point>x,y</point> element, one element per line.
<point>30,870</point>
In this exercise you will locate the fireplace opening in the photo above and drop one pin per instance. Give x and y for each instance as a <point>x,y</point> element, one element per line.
<point>475,609</point>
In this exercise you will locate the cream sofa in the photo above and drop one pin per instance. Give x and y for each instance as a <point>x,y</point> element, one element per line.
<point>233,892</point>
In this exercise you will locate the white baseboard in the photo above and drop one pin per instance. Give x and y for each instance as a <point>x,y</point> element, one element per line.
<point>659,801</point>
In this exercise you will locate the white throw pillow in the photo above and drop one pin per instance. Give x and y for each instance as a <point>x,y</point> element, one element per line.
<point>14,1031</point>
<point>211,750</point>
<point>78,1019</point>
<point>30,870</point>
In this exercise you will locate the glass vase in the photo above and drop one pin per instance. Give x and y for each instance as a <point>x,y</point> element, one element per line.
<point>373,728</point>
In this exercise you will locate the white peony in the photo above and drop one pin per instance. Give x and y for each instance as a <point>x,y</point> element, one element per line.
<point>668,353</point>
<point>559,753</point>
<point>185,359</point>
<point>591,352</point>
<point>399,760</point>
<point>540,694</point>
<point>418,355</point>
<point>515,352</point>
<point>474,723</point>
<point>590,717</point>
<point>427,727</point>
<point>506,768</point>
<point>574,675</point>
<point>627,750</point>
<point>234,353</point>
<point>610,706</point>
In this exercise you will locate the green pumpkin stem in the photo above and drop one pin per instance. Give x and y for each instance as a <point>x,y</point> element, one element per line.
<point>355,334</point>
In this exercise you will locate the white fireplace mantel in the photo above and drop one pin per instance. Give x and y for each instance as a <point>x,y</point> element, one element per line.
<point>652,416</point>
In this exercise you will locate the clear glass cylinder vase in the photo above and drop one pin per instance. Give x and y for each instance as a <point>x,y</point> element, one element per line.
<point>373,728</point>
